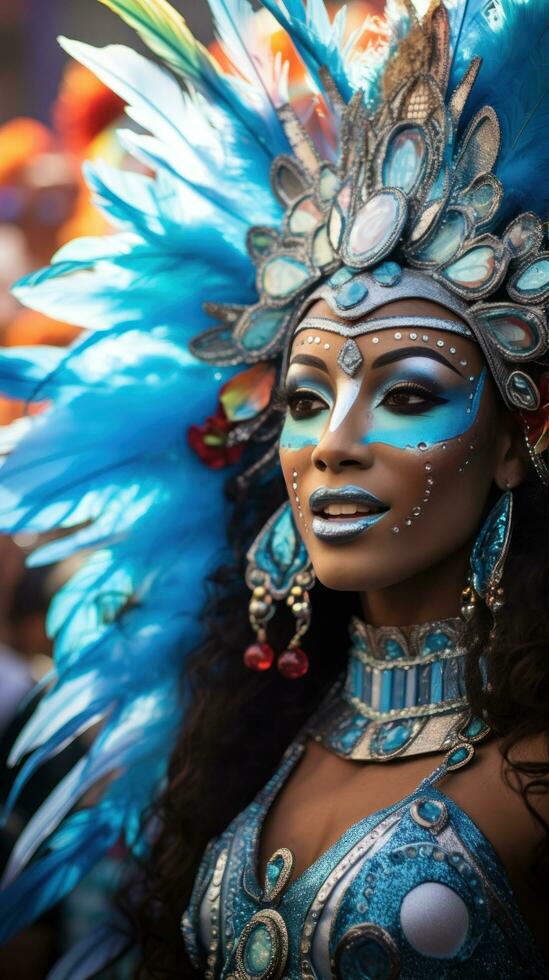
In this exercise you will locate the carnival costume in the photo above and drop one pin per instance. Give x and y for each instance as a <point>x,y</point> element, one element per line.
<point>416,172</point>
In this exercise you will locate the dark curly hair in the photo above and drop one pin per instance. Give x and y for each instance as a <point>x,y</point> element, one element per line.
<point>238,723</point>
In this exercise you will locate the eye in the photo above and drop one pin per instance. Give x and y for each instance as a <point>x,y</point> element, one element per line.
<point>409,398</point>
<point>305,404</point>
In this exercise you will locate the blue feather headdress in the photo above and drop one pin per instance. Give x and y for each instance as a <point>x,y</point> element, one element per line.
<point>109,460</point>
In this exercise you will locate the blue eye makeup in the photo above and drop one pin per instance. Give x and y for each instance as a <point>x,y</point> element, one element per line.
<point>413,407</point>
<point>411,410</point>
<point>309,406</point>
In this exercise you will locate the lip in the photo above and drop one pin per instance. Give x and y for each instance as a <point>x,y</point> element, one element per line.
<point>344,530</point>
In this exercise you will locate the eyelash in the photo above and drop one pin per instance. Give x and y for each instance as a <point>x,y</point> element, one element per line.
<point>429,397</point>
<point>292,398</point>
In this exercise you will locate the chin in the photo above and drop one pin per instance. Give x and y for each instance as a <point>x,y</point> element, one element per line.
<point>343,571</point>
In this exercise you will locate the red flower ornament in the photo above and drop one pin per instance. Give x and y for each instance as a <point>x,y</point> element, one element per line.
<point>209,441</point>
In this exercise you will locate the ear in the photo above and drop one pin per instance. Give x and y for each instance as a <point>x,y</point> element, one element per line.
<point>513,461</point>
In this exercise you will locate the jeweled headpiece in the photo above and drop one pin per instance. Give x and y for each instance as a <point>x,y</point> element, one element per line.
<point>413,166</point>
<point>413,198</point>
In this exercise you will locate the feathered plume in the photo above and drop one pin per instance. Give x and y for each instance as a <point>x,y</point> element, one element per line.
<point>107,459</point>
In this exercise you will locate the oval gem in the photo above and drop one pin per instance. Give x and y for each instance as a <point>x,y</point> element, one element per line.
<point>387,274</point>
<point>404,159</point>
<point>304,217</point>
<point>430,811</point>
<point>376,226</point>
<point>523,234</point>
<point>522,391</point>
<point>391,737</point>
<point>351,293</point>
<point>283,276</point>
<point>258,951</point>
<point>447,240</point>
<point>533,282</point>
<point>459,756</point>
<point>474,269</point>
<point>393,649</point>
<point>515,332</point>
<point>262,329</point>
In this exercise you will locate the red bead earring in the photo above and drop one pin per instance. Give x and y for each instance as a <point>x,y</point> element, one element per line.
<point>278,567</point>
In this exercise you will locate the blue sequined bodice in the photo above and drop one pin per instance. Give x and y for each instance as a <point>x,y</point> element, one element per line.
<point>412,891</point>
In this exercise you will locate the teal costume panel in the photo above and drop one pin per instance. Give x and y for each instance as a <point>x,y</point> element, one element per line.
<point>412,891</point>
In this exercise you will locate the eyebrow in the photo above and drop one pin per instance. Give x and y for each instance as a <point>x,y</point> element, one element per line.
<point>309,361</point>
<point>397,355</point>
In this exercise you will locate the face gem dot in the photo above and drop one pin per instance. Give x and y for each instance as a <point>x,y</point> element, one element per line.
<point>294,485</point>
<point>428,467</point>
<point>317,340</point>
<point>440,343</point>
<point>396,530</point>
<point>422,446</point>
<point>427,492</point>
<point>413,336</point>
<point>294,472</point>
<point>471,377</point>
<point>452,350</point>
<point>468,411</point>
<point>463,363</point>
<point>309,340</point>
<point>471,395</point>
<point>326,347</point>
<point>416,511</point>
<point>430,481</point>
<point>425,338</point>
<point>375,340</point>
<point>426,500</point>
<point>398,336</point>
<point>408,522</point>
<point>444,446</point>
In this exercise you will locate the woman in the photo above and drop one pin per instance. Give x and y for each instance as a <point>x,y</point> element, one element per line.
<point>399,298</point>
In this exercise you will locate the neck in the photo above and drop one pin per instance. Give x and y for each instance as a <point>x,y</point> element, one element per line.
<point>430,595</point>
<point>403,693</point>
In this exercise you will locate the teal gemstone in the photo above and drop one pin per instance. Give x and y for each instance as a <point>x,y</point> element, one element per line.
<point>351,294</point>
<point>274,870</point>
<point>435,642</point>
<point>342,275</point>
<point>458,755</point>
<point>430,810</point>
<point>393,649</point>
<point>365,959</point>
<point>473,728</point>
<point>534,278</point>
<point>391,737</point>
<point>263,328</point>
<point>387,274</point>
<point>258,952</point>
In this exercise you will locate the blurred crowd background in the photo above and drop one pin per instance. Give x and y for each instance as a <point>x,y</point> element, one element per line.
<point>53,116</point>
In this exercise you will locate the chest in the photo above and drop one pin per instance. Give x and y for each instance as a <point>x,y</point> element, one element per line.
<point>325,795</point>
<point>412,890</point>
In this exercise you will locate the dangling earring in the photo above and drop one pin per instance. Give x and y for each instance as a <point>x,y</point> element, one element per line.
<point>279,568</point>
<point>488,559</point>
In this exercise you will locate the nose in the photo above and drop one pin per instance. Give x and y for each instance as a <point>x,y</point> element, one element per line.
<point>341,450</point>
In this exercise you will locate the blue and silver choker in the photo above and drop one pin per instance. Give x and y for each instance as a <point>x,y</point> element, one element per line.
<point>403,694</point>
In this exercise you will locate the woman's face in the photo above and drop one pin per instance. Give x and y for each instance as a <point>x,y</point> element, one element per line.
<point>388,466</point>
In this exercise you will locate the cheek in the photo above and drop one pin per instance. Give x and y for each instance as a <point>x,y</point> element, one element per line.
<point>294,466</point>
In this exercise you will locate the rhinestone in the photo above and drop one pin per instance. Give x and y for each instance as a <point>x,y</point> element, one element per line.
<point>408,521</point>
<point>452,350</point>
<point>326,347</point>
<point>309,340</point>
<point>375,340</point>
<point>317,340</point>
<point>430,481</point>
<point>425,338</point>
<point>294,485</point>
<point>422,446</point>
<point>413,336</point>
<point>463,363</point>
<point>428,467</point>
<point>471,377</point>
<point>396,530</point>
<point>440,343</point>
<point>350,358</point>
<point>416,511</point>
<point>398,336</point>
